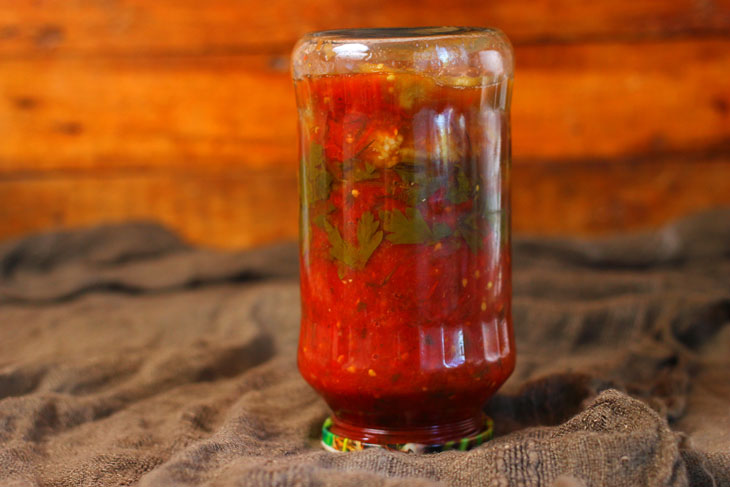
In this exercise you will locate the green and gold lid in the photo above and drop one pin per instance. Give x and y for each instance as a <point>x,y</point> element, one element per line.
<point>339,444</point>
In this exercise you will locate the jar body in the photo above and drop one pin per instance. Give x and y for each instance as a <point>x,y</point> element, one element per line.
<point>405,246</point>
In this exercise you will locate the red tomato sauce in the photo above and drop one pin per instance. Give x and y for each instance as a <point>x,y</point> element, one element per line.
<point>405,259</point>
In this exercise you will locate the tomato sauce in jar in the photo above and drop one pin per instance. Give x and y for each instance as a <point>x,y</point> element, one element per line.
<point>406,325</point>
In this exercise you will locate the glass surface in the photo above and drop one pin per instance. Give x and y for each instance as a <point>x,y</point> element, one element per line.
<point>405,245</point>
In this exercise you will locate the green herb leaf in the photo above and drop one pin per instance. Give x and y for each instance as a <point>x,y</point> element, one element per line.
<point>368,239</point>
<point>318,181</point>
<point>405,172</point>
<point>440,230</point>
<point>319,218</point>
<point>418,185</point>
<point>340,250</point>
<point>462,191</point>
<point>364,173</point>
<point>469,230</point>
<point>355,170</point>
<point>408,228</point>
<point>411,228</point>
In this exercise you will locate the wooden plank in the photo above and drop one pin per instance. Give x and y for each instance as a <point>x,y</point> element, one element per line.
<point>570,102</point>
<point>189,26</point>
<point>87,113</point>
<point>240,208</point>
<point>226,209</point>
<point>613,100</point>
<point>591,199</point>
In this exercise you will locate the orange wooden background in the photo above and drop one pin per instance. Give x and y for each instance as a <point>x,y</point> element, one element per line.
<point>182,110</point>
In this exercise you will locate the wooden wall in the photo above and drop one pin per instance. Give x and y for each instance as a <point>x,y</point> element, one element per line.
<point>183,111</point>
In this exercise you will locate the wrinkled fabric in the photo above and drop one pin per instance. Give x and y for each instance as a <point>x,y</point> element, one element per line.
<point>130,358</point>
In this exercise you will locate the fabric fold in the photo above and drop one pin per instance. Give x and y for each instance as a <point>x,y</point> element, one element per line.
<point>128,357</point>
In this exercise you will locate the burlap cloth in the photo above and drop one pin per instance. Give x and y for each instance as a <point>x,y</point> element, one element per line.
<point>130,358</point>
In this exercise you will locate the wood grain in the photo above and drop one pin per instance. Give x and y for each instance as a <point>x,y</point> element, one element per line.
<point>244,207</point>
<point>571,102</point>
<point>223,209</point>
<point>64,113</point>
<point>189,26</point>
<point>577,102</point>
<point>597,198</point>
<point>184,112</point>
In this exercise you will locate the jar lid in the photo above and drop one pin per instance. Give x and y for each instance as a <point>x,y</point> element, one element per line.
<point>338,444</point>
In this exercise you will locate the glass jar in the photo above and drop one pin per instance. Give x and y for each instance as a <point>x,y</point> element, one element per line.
<point>404,137</point>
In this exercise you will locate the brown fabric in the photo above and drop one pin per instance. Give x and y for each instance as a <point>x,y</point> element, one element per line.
<point>129,358</point>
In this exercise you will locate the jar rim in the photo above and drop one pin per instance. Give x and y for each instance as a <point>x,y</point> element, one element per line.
<point>401,33</point>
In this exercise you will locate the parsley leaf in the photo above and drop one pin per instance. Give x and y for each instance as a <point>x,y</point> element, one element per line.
<point>411,228</point>
<point>468,229</point>
<point>340,250</point>
<point>405,173</point>
<point>319,218</point>
<point>440,230</point>
<point>318,181</point>
<point>418,185</point>
<point>368,238</point>
<point>408,228</point>
<point>364,173</point>
<point>460,192</point>
<point>349,255</point>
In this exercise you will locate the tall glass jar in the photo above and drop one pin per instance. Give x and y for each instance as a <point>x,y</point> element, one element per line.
<point>406,325</point>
